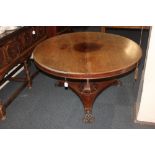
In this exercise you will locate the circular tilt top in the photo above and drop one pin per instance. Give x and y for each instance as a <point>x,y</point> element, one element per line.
<point>84,55</point>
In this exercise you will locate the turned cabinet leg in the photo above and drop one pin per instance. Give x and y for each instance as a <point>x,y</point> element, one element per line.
<point>2,111</point>
<point>27,72</point>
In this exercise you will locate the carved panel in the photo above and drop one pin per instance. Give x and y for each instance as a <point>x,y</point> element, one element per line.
<point>41,31</point>
<point>12,50</point>
<point>28,38</point>
<point>38,32</point>
<point>21,42</point>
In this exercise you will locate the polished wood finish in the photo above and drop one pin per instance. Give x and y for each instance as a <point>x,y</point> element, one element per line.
<point>85,55</point>
<point>93,57</point>
<point>51,31</point>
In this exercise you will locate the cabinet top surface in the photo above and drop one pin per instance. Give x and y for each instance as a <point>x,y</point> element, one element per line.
<point>84,55</point>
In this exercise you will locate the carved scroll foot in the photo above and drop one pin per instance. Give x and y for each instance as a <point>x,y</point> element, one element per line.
<point>2,112</point>
<point>88,118</point>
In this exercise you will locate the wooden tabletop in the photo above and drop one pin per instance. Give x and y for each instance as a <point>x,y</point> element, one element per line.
<point>87,55</point>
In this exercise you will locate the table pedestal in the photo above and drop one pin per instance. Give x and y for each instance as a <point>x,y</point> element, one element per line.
<point>88,92</point>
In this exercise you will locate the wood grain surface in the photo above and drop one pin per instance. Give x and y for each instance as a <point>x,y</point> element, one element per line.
<point>91,55</point>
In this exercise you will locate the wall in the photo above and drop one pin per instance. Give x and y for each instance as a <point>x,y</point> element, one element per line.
<point>146,112</point>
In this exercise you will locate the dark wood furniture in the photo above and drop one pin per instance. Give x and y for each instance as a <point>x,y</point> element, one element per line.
<point>88,61</point>
<point>103,28</point>
<point>16,48</point>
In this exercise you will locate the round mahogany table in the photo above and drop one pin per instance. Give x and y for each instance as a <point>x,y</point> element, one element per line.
<point>89,61</point>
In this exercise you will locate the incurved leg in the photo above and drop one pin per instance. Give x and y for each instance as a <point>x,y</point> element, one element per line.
<point>2,111</point>
<point>88,91</point>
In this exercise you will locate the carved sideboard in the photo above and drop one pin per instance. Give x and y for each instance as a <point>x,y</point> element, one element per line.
<point>15,50</point>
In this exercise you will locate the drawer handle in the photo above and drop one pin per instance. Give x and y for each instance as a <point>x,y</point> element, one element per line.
<point>33,32</point>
